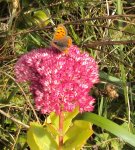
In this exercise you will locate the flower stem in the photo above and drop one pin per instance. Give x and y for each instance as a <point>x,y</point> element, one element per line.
<point>61,121</point>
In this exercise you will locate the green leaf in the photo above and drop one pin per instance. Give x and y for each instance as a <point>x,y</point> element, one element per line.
<point>52,129</point>
<point>38,138</point>
<point>110,126</point>
<point>74,35</point>
<point>117,145</point>
<point>106,77</point>
<point>41,18</point>
<point>12,94</point>
<point>77,135</point>
<point>68,117</point>
<point>130,28</point>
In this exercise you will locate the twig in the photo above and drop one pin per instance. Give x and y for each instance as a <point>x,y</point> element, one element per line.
<point>102,43</point>
<point>101,18</point>
<point>126,32</point>
<point>16,138</point>
<point>4,19</point>
<point>13,119</point>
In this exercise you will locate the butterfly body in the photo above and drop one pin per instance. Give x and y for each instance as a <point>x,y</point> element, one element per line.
<point>60,39</point>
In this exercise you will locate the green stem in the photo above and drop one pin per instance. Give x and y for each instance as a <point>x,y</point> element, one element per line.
<point>119,7</point>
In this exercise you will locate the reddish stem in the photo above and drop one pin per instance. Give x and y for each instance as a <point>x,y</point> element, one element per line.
<point>61,121</point>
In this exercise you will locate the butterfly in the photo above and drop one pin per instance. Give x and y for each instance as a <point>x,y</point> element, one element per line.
<point>60,40</point>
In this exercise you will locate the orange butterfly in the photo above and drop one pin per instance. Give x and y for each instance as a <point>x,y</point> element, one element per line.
<point>60,39</point>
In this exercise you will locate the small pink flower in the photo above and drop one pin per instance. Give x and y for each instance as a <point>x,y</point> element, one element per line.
<point>59,81</point>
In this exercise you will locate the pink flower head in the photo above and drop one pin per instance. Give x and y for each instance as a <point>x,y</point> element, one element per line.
<point>59,81</point>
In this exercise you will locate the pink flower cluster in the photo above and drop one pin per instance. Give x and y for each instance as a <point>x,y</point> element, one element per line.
<point>59,81</point>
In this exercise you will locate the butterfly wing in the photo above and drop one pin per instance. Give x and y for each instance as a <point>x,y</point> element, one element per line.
<point>69,41</point>
<point>63,44</point>
<point>60,32</point>
<point>60,39</point>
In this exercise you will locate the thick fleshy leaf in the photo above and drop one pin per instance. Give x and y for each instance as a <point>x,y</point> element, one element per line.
<point>68,117</point>
<point>110,126</point>
<point>52,129</point>
<point>38,138</point>
<point>77,135</point>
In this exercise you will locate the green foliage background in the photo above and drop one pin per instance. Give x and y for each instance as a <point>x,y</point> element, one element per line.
<point>105,29</point>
